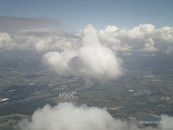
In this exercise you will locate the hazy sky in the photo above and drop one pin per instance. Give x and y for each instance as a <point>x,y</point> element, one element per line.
<point>74,14</point>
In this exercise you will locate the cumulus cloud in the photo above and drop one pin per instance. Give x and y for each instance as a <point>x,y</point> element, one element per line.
<point>91,59</point>
<point>149,46</point>
<point>144,37</point>
<point>39,34</point>
<point>58,61</point>
<point>6,42</point>
<point>39,40</point>
<point>141,31</point>
<point>43,34</point>
<point>66,116</point>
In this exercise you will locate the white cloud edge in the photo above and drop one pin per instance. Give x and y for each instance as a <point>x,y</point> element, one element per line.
<point>67,116</point>
<point>118,39</point>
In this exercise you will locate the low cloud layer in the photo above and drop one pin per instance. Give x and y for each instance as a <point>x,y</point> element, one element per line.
<point>38,34</point>
<point>142,38</point>
<point>89,53</point>
<point>91,59</point>
<point>66,116</point>
<point>43,35</point>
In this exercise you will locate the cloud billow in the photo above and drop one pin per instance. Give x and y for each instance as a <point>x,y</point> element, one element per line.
<point>142,38</point>
<point>90,53</point>
<point>67,116</point>
<point>43,35</point>
<point>91,59</point>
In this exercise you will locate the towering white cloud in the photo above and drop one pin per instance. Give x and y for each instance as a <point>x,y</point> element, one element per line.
<point>99,60</point>
<point>66,116</point>
<point>91,59</point>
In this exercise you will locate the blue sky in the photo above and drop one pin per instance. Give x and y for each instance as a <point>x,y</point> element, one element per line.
<point>74,14</point>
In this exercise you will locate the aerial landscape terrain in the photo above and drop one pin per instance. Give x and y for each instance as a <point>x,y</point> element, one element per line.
<point>26,85</point>
<point>86,65</point>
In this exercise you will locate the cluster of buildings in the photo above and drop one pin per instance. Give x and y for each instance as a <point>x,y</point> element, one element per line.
<point>67,95</point>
